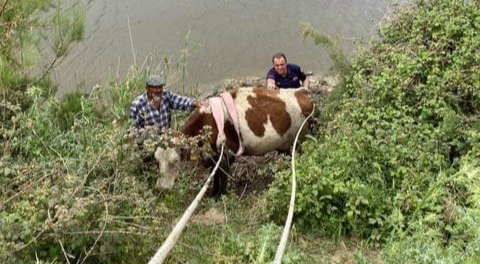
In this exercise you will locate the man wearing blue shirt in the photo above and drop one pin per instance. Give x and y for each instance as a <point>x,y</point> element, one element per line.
<point>285,75</point>
<point>152,108</point>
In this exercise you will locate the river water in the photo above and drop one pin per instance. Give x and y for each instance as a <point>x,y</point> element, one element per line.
<point>221,38</point>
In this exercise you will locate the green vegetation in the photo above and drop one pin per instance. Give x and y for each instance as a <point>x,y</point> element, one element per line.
<point>396,158</point>
<point>394,167</point>
<point>28,33</point>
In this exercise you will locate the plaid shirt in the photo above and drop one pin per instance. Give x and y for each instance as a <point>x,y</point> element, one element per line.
<point>144,115</point>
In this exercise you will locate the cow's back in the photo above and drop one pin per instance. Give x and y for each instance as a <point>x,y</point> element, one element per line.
<point>269,120</point>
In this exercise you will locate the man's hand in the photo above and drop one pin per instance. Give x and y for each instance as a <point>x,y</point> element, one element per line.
<point>272,87</point>
<point>198,104</point>
<point>271,84</point>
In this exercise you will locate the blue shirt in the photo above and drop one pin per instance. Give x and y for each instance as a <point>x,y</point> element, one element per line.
<point>145,115</point>
<point>291,80</point>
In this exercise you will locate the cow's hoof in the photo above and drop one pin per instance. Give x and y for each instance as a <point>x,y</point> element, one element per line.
<point>217,195</point>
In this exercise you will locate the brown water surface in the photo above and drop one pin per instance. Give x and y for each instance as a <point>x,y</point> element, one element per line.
<point>227,39</point>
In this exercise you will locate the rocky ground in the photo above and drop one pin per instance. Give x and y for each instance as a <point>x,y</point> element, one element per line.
<point>319,86</point>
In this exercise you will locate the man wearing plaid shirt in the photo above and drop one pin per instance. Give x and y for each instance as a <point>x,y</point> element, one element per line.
<point>152,108</point>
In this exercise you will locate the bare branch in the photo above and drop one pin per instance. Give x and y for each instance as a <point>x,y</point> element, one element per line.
<point>103,229</point>
<point>64,253</point>
<point>22,189</point>
<point>47,71</point>
<point>4,6</point>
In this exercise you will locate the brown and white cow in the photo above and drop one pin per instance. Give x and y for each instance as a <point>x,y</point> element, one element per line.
<point>268,120</point>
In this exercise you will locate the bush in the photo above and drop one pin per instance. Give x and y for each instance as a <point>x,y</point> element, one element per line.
<point>73,191</point>
<point>22,46</point>
<point>395,130</point>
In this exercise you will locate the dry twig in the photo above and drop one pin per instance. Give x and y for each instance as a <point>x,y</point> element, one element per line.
<point>103,229</point>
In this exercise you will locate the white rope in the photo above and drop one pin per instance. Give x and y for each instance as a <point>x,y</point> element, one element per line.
<point>163,251</point>
<point>288,222</point>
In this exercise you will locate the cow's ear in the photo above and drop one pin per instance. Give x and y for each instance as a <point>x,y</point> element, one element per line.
<point>171,155</point>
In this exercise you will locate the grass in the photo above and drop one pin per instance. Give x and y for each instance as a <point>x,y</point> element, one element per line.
<point>238,232</point>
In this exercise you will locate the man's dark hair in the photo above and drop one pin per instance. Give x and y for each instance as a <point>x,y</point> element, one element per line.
<point>278,56</point>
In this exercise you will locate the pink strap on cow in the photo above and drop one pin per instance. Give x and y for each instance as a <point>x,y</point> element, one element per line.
<point>232,111</point>
<point>217,112</point>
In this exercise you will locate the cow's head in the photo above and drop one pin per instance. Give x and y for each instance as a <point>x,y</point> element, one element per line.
<point>177,147</point>
<point>167,159</point>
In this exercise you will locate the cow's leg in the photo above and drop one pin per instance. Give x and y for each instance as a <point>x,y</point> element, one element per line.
<point>220,179</point>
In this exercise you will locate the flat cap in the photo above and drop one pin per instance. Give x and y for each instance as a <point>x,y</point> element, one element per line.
<point>155,80</point>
